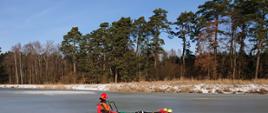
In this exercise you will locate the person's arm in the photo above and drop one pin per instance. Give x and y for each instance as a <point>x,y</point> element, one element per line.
<point>99,109</point>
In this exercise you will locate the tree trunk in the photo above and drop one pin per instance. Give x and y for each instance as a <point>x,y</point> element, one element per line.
<point>147,66</point>
<point>35,66</point>
<point>233,54</point>
<point>10,75</point>
<point>138,45</point>
<point>234,67</point>
<point>74,68</point>
<point>183,56</point>
<point>21,72</point>
<point>29,72</point>
<point>41,77</point>
<point>155,60</point>
<point>16,68</point>
<point>138,56</point>
<point>46,69</point>
<point>257,65</point>
<point>240,60</point>
<point>215,46</point>
<point>208,73</point>
<point>116,76</point>
<point>259,47</point>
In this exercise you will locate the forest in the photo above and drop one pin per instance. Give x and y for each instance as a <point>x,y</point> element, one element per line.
<point>230,38</point>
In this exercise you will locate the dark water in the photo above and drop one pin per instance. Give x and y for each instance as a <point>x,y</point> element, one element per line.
<point>58,101</point>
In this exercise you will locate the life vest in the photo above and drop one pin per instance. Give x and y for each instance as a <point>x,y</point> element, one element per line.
<point>104,107</point>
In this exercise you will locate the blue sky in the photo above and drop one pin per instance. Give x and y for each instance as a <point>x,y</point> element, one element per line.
<point>24,21</point>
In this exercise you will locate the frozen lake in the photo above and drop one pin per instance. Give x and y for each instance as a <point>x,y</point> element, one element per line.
<point>60,101</point>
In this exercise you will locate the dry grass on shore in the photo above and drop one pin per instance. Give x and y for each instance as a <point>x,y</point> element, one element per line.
<point>195,86</point>
<point>224,86</point>
<point>220,81</point>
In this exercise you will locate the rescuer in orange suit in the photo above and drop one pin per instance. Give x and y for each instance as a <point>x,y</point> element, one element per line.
<point>103,106</point>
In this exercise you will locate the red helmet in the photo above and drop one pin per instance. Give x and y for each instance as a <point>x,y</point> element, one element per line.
<point>103,96</point>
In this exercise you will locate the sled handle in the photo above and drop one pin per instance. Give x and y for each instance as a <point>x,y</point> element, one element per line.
<point>113,106</point>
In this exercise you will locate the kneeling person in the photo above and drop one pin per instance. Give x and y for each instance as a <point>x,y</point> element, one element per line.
<point>103,106</point>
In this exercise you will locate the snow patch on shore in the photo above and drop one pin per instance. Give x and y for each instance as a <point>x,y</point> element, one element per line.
<point>55,92</point>
<point>93,87</point>
<point>230,89</point>
<point>88,87</point>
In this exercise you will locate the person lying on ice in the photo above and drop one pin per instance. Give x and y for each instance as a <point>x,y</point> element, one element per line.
<point>103,106</point>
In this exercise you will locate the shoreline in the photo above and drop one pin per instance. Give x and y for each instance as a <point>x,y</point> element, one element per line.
<point>180,86</point>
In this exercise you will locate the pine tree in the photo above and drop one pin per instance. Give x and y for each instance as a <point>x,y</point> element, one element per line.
<point>70,46</point>
<point>260,30</point>
<point>212,12</point>
<point>140,35</point>
<point>184,27</point>
<point>120,47</point>
<point>157,24</point>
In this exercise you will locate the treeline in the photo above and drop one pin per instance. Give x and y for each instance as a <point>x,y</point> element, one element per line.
<point>230,37</point>
<point>34,63</point>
